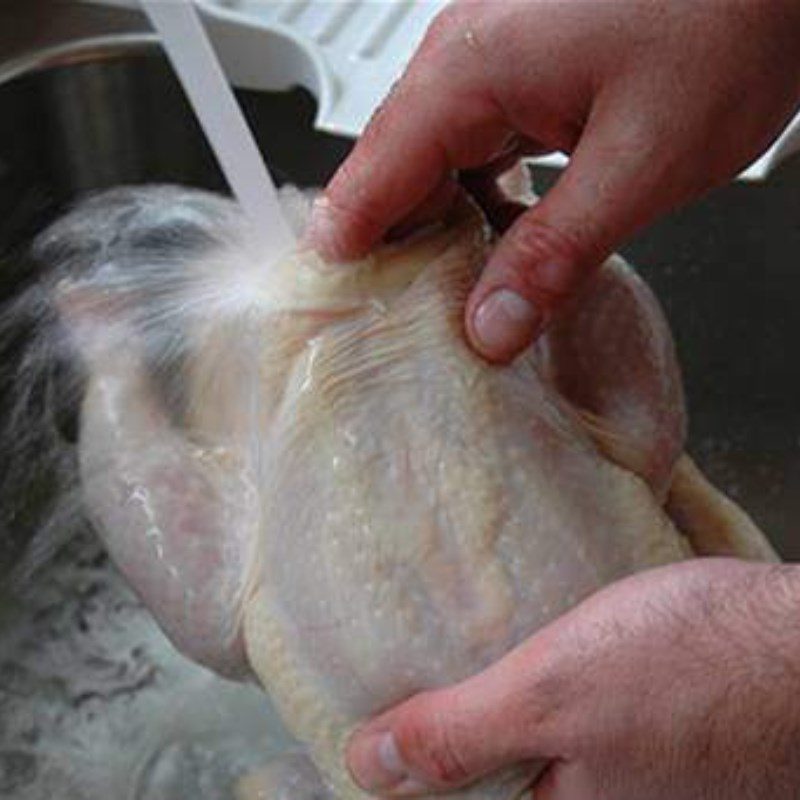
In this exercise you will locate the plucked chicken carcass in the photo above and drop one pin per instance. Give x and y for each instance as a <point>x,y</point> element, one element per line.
<point>310,478</point>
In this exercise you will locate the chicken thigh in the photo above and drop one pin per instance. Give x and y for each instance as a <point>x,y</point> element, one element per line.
<point>312,480</point>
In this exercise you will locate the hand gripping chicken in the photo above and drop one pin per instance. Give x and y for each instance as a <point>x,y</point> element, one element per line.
<point>310,478</point>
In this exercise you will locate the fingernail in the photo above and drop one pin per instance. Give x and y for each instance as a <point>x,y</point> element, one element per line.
<point>376,766</point>
<point>505,323</point>
<point>321,231</point>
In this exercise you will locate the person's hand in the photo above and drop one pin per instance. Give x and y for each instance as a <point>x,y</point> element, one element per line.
<point>682,682</point>
<point>656,102</point>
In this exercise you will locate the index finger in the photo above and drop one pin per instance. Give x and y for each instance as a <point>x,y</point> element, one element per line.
<point>440,117</point>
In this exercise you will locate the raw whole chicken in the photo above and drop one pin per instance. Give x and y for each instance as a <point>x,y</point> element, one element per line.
<point>311,479</point>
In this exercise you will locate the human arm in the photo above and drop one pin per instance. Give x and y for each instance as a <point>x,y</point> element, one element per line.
<point>678,682</point>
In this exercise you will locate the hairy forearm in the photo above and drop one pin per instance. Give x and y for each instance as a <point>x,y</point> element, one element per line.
<point>747,745</point>
<point>683,682</point>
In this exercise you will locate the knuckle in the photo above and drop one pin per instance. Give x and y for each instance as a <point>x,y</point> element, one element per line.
<point>538,241</point>
<point>445,26</point>
<point>549,262</point>
<point>432,745</point>
<point>447,768</point>
<point>450,37</point>
<point>348,205</point>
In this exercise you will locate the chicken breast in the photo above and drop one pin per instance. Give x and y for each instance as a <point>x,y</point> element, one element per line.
<point>310,477</point>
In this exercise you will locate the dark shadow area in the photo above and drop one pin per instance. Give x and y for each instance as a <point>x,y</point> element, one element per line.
<point>727,271</point>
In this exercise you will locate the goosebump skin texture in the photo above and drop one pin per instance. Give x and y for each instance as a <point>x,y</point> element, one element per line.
<point>313,481</point>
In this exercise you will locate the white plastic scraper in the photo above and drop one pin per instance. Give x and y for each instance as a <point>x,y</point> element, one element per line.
<point>184,38</point>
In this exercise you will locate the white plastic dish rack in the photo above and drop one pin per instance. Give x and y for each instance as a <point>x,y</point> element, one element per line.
<point>347,53</point>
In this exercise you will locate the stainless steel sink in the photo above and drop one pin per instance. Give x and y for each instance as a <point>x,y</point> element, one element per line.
<point>92,699</point>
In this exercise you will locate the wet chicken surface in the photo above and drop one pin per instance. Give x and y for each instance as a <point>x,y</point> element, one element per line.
<point>310,478</point>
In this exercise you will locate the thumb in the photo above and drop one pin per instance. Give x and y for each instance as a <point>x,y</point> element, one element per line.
<point>609,189</point>
<point>443,739</point>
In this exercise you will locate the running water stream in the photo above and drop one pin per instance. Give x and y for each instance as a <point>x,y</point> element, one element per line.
<point>201,75</point>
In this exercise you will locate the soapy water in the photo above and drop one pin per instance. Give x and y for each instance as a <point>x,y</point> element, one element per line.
<point>94,701</point>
